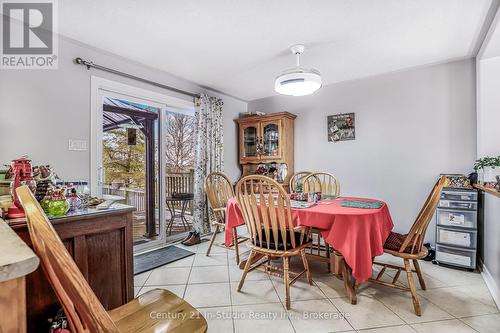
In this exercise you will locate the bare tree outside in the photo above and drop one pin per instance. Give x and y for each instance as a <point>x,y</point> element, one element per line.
<point>180,142</point>
<point>125,163</point>
<point>122,162</point>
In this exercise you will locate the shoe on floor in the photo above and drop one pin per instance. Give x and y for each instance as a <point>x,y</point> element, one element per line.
<point>193,240</point>
<point>187,237</point>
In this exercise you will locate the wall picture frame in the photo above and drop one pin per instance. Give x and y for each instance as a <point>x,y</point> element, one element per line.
<point>341,127</point>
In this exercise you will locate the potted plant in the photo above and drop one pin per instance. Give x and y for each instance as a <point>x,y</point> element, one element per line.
<point>488,168</point>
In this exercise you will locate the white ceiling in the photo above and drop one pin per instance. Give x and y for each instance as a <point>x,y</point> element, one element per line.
<point>239,46</point>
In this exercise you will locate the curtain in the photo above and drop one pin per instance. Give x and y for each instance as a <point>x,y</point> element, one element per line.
<point>209,154</point>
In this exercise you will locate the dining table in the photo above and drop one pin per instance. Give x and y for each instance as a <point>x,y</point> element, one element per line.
<point>357,232</point>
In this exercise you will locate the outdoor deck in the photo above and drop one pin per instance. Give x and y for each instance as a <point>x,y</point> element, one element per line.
<point>175,182</point>
<point>178,230</point>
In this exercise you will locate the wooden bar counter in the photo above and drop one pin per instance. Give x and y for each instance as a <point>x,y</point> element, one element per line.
<point>100,242</point>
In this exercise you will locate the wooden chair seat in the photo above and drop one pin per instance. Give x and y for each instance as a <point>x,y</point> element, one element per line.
<point>158,311</point>
<point>395,240</point>
<point>419,255</point>
<point>279,244</point>
<point>279,253</point>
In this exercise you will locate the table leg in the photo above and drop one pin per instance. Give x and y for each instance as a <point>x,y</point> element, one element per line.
<point>349,283</point>
<point>172,218</point>
<point>183,218</point>
<point>336,263</point>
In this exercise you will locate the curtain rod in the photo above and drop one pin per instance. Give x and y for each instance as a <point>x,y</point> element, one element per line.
<point>90,64</point>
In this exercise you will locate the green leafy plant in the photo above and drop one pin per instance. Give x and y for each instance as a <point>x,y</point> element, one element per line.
<point>487,162</point>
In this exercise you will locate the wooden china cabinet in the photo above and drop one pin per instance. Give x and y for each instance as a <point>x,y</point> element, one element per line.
<point>267,141</point>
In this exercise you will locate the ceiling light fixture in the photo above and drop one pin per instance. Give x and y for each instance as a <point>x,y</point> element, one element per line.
<point>298,81</point>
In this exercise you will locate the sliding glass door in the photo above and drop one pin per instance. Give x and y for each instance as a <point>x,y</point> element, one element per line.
<point>140,157</point>
<point>128,169</point>
<point>179,171</point>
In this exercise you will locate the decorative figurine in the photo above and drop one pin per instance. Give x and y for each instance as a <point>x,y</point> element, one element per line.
<point>23,175</point>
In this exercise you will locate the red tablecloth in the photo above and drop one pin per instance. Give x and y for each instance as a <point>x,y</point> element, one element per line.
<point>358,233</point>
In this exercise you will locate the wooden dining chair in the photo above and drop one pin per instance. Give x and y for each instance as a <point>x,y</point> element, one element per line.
<point>84,311</point>
<point>266,209</point>
<point>219,190</point>
<point>323,182</point>
<point>328,185</point>
<point>410,247</point>
<point>298,179</point>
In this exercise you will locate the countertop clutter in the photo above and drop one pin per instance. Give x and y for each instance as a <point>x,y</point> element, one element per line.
<point>57,198</point>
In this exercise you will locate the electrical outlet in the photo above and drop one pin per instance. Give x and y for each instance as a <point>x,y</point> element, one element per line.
<point>77,145</point>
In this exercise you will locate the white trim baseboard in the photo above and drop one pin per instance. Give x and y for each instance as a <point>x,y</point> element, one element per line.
<point>491,284</point>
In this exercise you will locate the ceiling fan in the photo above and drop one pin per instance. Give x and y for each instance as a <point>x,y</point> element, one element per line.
<point>298,81</point>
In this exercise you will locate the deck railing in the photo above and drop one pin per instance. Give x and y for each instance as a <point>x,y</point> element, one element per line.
<point>175,182</point>
<point>133,197</point>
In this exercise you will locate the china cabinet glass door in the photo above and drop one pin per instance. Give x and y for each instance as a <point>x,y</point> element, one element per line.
<point>271,139</point>
<point>250,141</point>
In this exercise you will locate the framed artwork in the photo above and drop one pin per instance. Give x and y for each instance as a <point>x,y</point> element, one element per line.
<point>341,127</point>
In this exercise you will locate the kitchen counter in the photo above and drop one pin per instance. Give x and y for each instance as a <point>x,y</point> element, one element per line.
<point>17,258</point>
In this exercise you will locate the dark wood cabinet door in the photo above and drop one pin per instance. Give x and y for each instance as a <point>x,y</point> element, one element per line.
<point>106,267</point>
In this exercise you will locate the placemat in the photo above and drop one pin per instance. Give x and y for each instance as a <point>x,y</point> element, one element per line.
<point>362,204</point>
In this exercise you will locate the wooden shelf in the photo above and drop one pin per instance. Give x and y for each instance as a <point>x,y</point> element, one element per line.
<point>487,189</point>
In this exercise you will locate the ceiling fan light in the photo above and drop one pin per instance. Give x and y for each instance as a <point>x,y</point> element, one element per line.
<point>298,82</point>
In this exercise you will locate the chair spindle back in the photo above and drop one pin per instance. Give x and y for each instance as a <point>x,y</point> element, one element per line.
<point>219,190</point>
<point>266,209</point>
<point>323,182</point>
<point>298,178</point>
<point>416,235</point>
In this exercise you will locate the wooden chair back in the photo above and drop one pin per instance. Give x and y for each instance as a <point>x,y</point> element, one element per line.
<point>266,209</point>
<point>84,311</point>
<point>416,235</point>
<point>323,182</point>
<point>219,190</point>
<point>298,178</point>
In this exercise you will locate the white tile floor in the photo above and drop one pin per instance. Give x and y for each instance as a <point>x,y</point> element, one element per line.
<point>455,301</point>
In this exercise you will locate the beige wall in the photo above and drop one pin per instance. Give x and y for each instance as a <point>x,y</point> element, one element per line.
<point>410,127</point>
